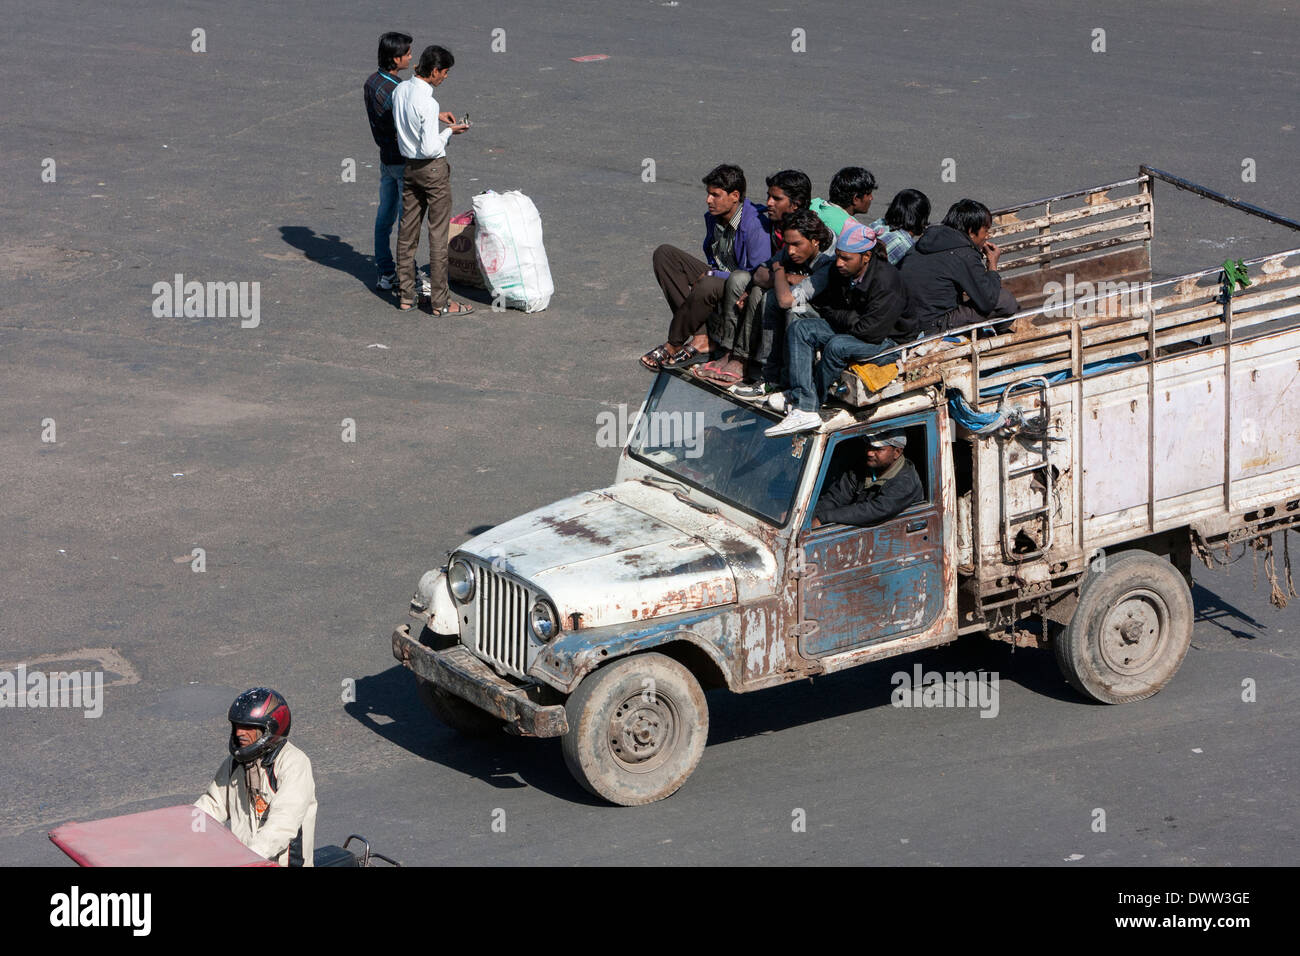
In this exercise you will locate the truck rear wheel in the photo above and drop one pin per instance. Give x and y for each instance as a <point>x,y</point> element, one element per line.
<point>637,729</point>
<point>460,715</point>
<point>1130,631</point>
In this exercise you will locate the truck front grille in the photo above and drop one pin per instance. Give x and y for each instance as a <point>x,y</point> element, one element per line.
<point>501,632</point>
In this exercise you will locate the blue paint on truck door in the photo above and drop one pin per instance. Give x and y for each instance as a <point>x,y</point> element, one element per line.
<point>860,585</point>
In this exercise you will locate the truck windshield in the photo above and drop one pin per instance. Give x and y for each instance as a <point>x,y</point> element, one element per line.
<point>717,445</point>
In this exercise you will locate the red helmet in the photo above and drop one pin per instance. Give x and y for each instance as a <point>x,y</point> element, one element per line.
<point>265,709</point>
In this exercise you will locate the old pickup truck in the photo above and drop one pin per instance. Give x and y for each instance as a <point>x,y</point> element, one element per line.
<point>1072,468</point>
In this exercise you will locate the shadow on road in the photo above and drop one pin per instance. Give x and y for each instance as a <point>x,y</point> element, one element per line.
<point>334,252</point>
<point>1214,609</point>
<point>737,716</point>
<point>329,250</point>
<point>387,704</point>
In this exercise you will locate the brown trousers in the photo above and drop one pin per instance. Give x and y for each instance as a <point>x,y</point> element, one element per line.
<point>691,298</point>
<point>426,190</point>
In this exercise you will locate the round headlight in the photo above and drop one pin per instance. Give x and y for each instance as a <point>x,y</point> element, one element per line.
<point>544,620</point>
<point>460,581</point>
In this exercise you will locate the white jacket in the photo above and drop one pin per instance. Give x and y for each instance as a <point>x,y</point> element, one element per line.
<point>286,830</point>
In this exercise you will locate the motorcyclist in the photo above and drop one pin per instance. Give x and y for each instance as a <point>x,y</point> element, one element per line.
<point>264,790</point>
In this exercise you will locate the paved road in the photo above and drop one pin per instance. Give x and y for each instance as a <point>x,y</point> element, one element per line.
<point>175,434</point>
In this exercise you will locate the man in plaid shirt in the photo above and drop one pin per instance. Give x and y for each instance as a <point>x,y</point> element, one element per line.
<point>394,56</point>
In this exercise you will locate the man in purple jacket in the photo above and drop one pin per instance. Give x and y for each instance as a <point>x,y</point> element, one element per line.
<point>736,236</point>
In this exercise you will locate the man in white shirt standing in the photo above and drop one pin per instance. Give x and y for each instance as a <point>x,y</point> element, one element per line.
<point>426,187</point>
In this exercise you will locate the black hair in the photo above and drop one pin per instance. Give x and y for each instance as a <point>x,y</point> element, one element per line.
<point>910,211</point>
<point>809,224</point>
<point>728,178</point>
<point>849,183</point>
<point>968,216</point>
<point>391,46</point>
<point>434,58</point>
<point>794,184</point>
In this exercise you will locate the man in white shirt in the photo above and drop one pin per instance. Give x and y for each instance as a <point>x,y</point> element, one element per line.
<point>426,186</point>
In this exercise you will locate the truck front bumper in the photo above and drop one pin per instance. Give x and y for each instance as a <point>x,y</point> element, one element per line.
<point>459,672</point>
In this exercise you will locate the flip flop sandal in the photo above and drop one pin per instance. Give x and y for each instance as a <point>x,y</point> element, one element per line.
<point>655,358</point>
<point>462,310</point>
<point>405,306</point>
<point>717,376</point>
<point>685,358</point>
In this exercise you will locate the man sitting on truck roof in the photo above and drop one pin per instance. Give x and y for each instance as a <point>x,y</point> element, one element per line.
<point>805,262</point>
<point>903,223</point>
<point>737,235</point>
<point>951,272</point>
<point>888,486</point>
<point>860,313</point>
<point>851,192</point>
<point>732,325</point>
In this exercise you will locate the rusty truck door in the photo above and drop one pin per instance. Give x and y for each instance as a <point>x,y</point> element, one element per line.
<point>857,585</point>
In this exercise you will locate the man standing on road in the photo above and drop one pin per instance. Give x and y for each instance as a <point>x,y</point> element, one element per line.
<point>265,789</point>
<point>426,186</point>
<point>394,56</point>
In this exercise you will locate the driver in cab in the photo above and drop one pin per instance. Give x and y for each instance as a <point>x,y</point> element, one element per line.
<point>885,487</point>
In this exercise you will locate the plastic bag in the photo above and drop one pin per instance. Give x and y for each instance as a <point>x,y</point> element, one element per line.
<point>510,250</point>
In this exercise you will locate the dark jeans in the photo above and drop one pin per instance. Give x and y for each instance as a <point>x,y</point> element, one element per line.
<point>804,337</point>
<point>737,330</point>
<point>691,298</point>
<point>770,353</point>
<point>426,190</point>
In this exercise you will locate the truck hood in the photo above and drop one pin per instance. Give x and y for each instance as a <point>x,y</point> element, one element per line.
<point>611,562</point>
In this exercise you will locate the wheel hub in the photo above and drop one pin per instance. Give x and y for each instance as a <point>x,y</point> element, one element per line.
<point>642,735</point>
<point>1134,631</point>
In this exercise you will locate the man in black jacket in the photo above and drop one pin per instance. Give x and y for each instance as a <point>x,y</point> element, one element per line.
<point>860,313</point>
<point>889,486</point>
<point>951,273</point>
<point>394,56</point>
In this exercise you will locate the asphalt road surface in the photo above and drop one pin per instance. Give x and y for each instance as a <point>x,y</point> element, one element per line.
<point>173,434</point>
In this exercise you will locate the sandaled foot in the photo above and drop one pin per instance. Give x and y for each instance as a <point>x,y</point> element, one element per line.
<point>653,359</point>
<point>718,376</point>
<point>455,308</point>
<point>685,358</point>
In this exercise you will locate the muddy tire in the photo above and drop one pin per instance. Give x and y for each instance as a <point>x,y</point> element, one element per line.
<point>1130,631</point>
<point>631,741</point>
<point>460,715</point>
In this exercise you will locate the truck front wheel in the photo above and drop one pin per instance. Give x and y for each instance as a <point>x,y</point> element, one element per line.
<point>1130,631</point>
<point>637,728</point>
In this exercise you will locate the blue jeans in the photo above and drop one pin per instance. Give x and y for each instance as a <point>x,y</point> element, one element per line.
<point>802,340</point>
<point>390,211</point>
<point>771,350</point>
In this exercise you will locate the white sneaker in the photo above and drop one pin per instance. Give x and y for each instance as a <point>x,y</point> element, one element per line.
<point>796,420</point>
<point>778,402</point>
<point>387,282</point>
<point>426,290</point>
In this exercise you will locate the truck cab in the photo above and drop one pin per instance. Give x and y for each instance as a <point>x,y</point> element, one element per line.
<point>697,568</point>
